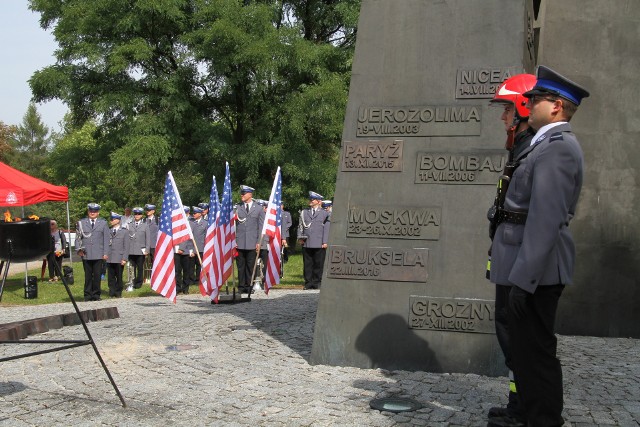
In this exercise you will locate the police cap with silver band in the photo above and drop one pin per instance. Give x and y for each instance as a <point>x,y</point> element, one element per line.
<point>115,215</point>
<point>149,207</point>
<point>551,83</point>
<point>315,196</point>
<point>137,210</point>
<point>246,189</point>
<point>93,207</point>
<point>196,209</point>
<point>327,203</point>
<point>187,209</point>
<point>203,205</point>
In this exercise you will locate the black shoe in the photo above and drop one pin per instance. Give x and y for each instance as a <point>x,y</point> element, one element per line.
<point>498,411</point>
<point>505,422</point>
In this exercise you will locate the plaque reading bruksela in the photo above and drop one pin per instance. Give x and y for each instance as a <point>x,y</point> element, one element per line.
<point>404,284</point>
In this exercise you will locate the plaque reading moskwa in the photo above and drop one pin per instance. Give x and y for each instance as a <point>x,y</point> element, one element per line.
<point>452,314</point>
<point>394,222</point>
<point>370,263</point>
<point>477,167</point>
<point>378,156</point>
<point>430,120</point>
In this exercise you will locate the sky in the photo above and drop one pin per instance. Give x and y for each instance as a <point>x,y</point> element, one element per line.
<point>25,48</point>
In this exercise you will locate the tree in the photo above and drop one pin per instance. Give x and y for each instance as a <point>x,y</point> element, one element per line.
<point>30,144</point>
<point>187,84</point>
<point>7,134</point>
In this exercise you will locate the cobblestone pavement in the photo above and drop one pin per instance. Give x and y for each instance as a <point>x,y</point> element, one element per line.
<point>247,365</point>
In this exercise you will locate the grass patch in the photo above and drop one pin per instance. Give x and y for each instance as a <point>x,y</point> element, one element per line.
<point>49,293</point>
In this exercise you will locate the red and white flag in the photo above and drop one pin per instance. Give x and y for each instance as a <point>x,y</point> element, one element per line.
<point>211,274</point>
<point>227,229</point>
<point>272,226</point>
<point>173,229</point>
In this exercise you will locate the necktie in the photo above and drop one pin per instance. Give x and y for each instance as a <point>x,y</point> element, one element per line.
<point>93,223</point>
<point>246,206</point>
<point>113,231</point>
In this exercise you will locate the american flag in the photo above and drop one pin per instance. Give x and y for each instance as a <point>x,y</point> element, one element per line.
<point>210,273</point>
<point>173,229</point>
<point>227,227</point>
<point>271,227</point>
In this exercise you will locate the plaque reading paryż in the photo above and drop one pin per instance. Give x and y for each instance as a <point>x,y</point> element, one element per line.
<point>481,82</point>
<point>371,263</point>
<point>367,156</point>
<point>452,314</point>
<point>478,167</point>
<point>393,222</point>
<point>431,120</point>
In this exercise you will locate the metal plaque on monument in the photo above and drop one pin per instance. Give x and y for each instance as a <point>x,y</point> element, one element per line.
<point>404,283</point>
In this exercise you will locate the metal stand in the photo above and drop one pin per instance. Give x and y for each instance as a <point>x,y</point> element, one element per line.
<point>70,343</point>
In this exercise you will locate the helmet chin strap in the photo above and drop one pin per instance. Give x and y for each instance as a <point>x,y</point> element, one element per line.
<point>511,132</point>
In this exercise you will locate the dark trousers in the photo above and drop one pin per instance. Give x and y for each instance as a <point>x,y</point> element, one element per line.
<point>51,259</point>
<point>183,266</point>
<point>92,273</point>
<point>313,262</point>
<point>137,261</point>
<point>152,254</point>
<point>245,261</point>
<point>502,333</point>
<point>264,256</point>
<point>197,268</point>
<point>533,344</point>
<point>114,272</point>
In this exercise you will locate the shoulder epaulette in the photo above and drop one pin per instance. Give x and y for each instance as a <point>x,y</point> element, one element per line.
<point>555,137</point>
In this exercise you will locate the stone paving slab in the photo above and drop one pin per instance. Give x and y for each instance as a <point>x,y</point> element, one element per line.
<point>247,365</point>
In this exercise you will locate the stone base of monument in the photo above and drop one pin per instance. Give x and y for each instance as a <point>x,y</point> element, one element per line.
<point>24,328</point>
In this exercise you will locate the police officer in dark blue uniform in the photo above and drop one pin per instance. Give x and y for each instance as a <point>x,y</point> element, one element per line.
<point>533,249</point>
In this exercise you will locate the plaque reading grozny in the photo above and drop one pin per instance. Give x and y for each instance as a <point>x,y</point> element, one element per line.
<point>478,167</point>
<point>378,156</point>
<point>369,263</point>
<point>394,222</point>
<point>430,120</point>
<point>452,314</point>
<point>481,82</point>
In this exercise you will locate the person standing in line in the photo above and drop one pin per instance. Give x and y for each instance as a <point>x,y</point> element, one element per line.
<point>533,249</point>
<point>515,116</point>
<point>152,223</point>
<point>183,260</point>
<point>92,243</point>
<point>55,256</point>
<point>249,220</point>
<point>199,229</point>
<point>287,222</point>
<point>119,242</point>
<point>313,235</point>
<point>139,245</point>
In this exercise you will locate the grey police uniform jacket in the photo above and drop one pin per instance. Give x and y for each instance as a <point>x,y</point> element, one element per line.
<point>153,230</point>
<point>94,241</point>
<point>199,230</point>
<point>546,185</point>
<point>286,224</point>
<point>140,238</point>
<point>249,225</point>
<point>118,246</point>
<point>315,228</point>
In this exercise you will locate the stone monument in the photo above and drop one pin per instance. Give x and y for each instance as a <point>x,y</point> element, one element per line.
<point>404,284</point>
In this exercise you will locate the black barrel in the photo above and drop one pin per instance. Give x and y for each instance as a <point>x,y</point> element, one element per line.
<point>26,240</point>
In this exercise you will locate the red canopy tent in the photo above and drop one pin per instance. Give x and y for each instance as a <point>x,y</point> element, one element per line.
<point>19,189</point>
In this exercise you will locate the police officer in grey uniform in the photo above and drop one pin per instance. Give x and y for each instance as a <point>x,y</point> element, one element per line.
<point>92,243</point>
<point>533,249</point>
<point>152,223</point>
<point>183,260</point>
<point>287,222</point>
<point>250,217</point>
<point>199,230</point>
<point>313,234</point>
<point>205,210</point>
<point>139,245</point>
<point>118,255</point>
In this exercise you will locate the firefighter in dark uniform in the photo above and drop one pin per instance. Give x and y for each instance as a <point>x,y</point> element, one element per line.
<point>118,254</point>
<point>92,243</point>
<point>313,235</point>
<point>533,249</point>
<point>515,116</point>
<point>250,217</point>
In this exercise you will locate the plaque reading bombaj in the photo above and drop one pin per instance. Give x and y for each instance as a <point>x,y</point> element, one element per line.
<point>477,167</point>
<point>452,314</point>
<point>368,156</point>
<point>394,222</point>
<point>430,120</point>
<point>371,263</point>
<point>481,82</point>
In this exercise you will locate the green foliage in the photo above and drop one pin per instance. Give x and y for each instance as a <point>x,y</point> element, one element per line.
<point>30,144</point>
<point>185,85</point>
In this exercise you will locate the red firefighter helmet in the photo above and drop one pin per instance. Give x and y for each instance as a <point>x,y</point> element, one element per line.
<point>511,91</point>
